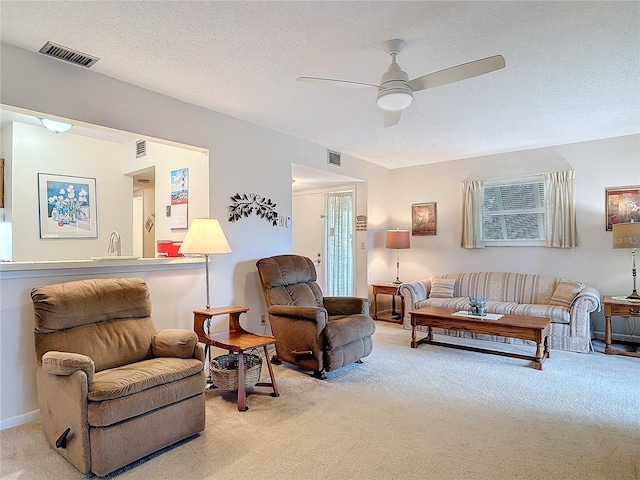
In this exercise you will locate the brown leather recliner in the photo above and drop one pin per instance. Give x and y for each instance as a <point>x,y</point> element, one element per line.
<point>313,332</point>
<point>112,390</point>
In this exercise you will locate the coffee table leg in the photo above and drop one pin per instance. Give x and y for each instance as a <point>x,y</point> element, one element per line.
<point>242,392</point>
<point>538,360</point>
<point>413,333</point>
<point>547,354</point>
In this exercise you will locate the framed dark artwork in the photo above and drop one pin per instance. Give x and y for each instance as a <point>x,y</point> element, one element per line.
<point>67,206</point>
<point>423,218</point>
<point>622,205</point>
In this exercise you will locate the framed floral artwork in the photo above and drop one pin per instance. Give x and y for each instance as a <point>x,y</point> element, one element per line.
<point>622,205</point>
<point>67,206</point>
<point>423,218</point>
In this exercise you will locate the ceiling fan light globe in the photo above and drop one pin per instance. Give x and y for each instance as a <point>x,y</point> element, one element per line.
<point>394,99</point>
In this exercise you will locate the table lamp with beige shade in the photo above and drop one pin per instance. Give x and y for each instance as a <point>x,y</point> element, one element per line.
<point>205,237</point>
<point>397,239</point>
<point>627,235</point>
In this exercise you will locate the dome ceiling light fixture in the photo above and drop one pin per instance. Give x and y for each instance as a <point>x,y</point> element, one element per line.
<point>55,125</point>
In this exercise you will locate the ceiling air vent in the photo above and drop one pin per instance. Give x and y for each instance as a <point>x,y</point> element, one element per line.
<point>141,148</point>
<point>68,54</point>
<point>333,158</point>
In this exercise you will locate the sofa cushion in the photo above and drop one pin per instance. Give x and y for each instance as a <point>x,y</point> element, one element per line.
<point>566,292</point>
<point>344,330</point>
<point>108,412</point>
<point>537,289</point>
<point>442,288</point>
<point>139,376</point>
<point>556,313</point>
<point>174,342</point>
<point>459,303</point>
<point>504,308</point>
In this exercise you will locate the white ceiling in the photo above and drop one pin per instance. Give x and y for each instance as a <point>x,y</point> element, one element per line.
<point>572,74</point>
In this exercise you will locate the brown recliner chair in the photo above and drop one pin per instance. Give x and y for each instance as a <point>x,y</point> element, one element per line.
<point>112,390</point>
<point>313,332</point>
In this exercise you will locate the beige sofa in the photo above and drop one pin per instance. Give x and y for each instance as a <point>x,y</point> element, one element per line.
<point>568,303</point>
<point>111,389</point>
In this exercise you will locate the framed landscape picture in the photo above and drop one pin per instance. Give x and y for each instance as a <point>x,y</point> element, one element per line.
<point>423,218</point>
<point>67,206</point>
<point>622,205</point>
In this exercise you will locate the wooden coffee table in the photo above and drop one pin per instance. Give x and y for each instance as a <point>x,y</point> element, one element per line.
<point>515,326</point>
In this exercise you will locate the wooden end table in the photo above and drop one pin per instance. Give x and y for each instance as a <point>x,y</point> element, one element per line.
<point>614,307</point>
<point>516,326</point>
<point>392,289</point>
<point>235,340</point>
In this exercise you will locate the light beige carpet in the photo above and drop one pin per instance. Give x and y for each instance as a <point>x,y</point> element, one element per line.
<point>426,413</point>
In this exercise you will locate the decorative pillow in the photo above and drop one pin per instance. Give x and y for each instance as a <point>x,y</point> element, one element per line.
<point>442,288</point>
<point>174,342</point>
<point>565,293</point>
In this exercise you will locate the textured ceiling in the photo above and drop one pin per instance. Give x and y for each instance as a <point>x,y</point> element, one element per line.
<point>572,74</point>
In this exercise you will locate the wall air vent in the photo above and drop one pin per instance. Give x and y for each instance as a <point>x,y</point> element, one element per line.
<point>333,158</point>
<point>141,148</point>
<point>68,55</point>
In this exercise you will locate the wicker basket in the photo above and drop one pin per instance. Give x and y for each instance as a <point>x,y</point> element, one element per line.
<point>224,371</point>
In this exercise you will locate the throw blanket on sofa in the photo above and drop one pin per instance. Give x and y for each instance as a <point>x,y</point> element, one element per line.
<point>567,302</point>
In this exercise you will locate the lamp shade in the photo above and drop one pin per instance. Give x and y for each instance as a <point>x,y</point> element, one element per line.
<point>398,239</point>
<point>626,235</point>
<point>205,237</point>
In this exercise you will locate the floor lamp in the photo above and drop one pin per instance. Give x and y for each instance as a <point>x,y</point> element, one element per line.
<point>627,235</point>
<point>205,237</point>
<point>398,239</point>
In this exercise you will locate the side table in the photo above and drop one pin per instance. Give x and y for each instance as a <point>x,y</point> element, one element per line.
<point>235,340</point>
<point>392,289</point>
<point>618,308</point>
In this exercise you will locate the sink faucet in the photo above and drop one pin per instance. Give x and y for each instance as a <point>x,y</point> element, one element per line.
<point>114,243</point>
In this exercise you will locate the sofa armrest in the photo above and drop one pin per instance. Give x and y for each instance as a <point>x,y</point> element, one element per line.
<point>317,315</point>
<point>66,363</point>
<point>412,293</point>
<point>346,305</point>
<point>174,342</point>
<point>591,297</point>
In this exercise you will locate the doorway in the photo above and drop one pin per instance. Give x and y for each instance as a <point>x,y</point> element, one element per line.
<point>314,227</point>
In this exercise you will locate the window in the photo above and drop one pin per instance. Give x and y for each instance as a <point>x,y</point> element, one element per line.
<point>536,210</point>
<point>513,212</point>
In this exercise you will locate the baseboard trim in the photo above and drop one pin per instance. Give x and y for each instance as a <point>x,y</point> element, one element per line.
<point>618,336</point>
<point>19,420</point>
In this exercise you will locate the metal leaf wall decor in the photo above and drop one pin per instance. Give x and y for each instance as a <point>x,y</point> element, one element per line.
<point>244,205</point>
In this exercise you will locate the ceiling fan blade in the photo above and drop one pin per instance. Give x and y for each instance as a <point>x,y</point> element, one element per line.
<point>457,73</point>
<point>391,117</point>
<point>344,83</point>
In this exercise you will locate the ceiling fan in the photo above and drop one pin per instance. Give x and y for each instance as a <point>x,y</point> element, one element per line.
<point>395,91</point>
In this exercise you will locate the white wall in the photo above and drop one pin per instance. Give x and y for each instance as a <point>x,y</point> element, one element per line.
<point>6,142</point>
<point>166,158</point>
<point>243,158</point>
<point>38,150</point>
<point>598,165</point>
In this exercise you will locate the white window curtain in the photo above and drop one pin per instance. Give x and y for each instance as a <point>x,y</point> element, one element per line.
<point>339,264</point>
<point>560,210</point>
<point>472,204</point>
